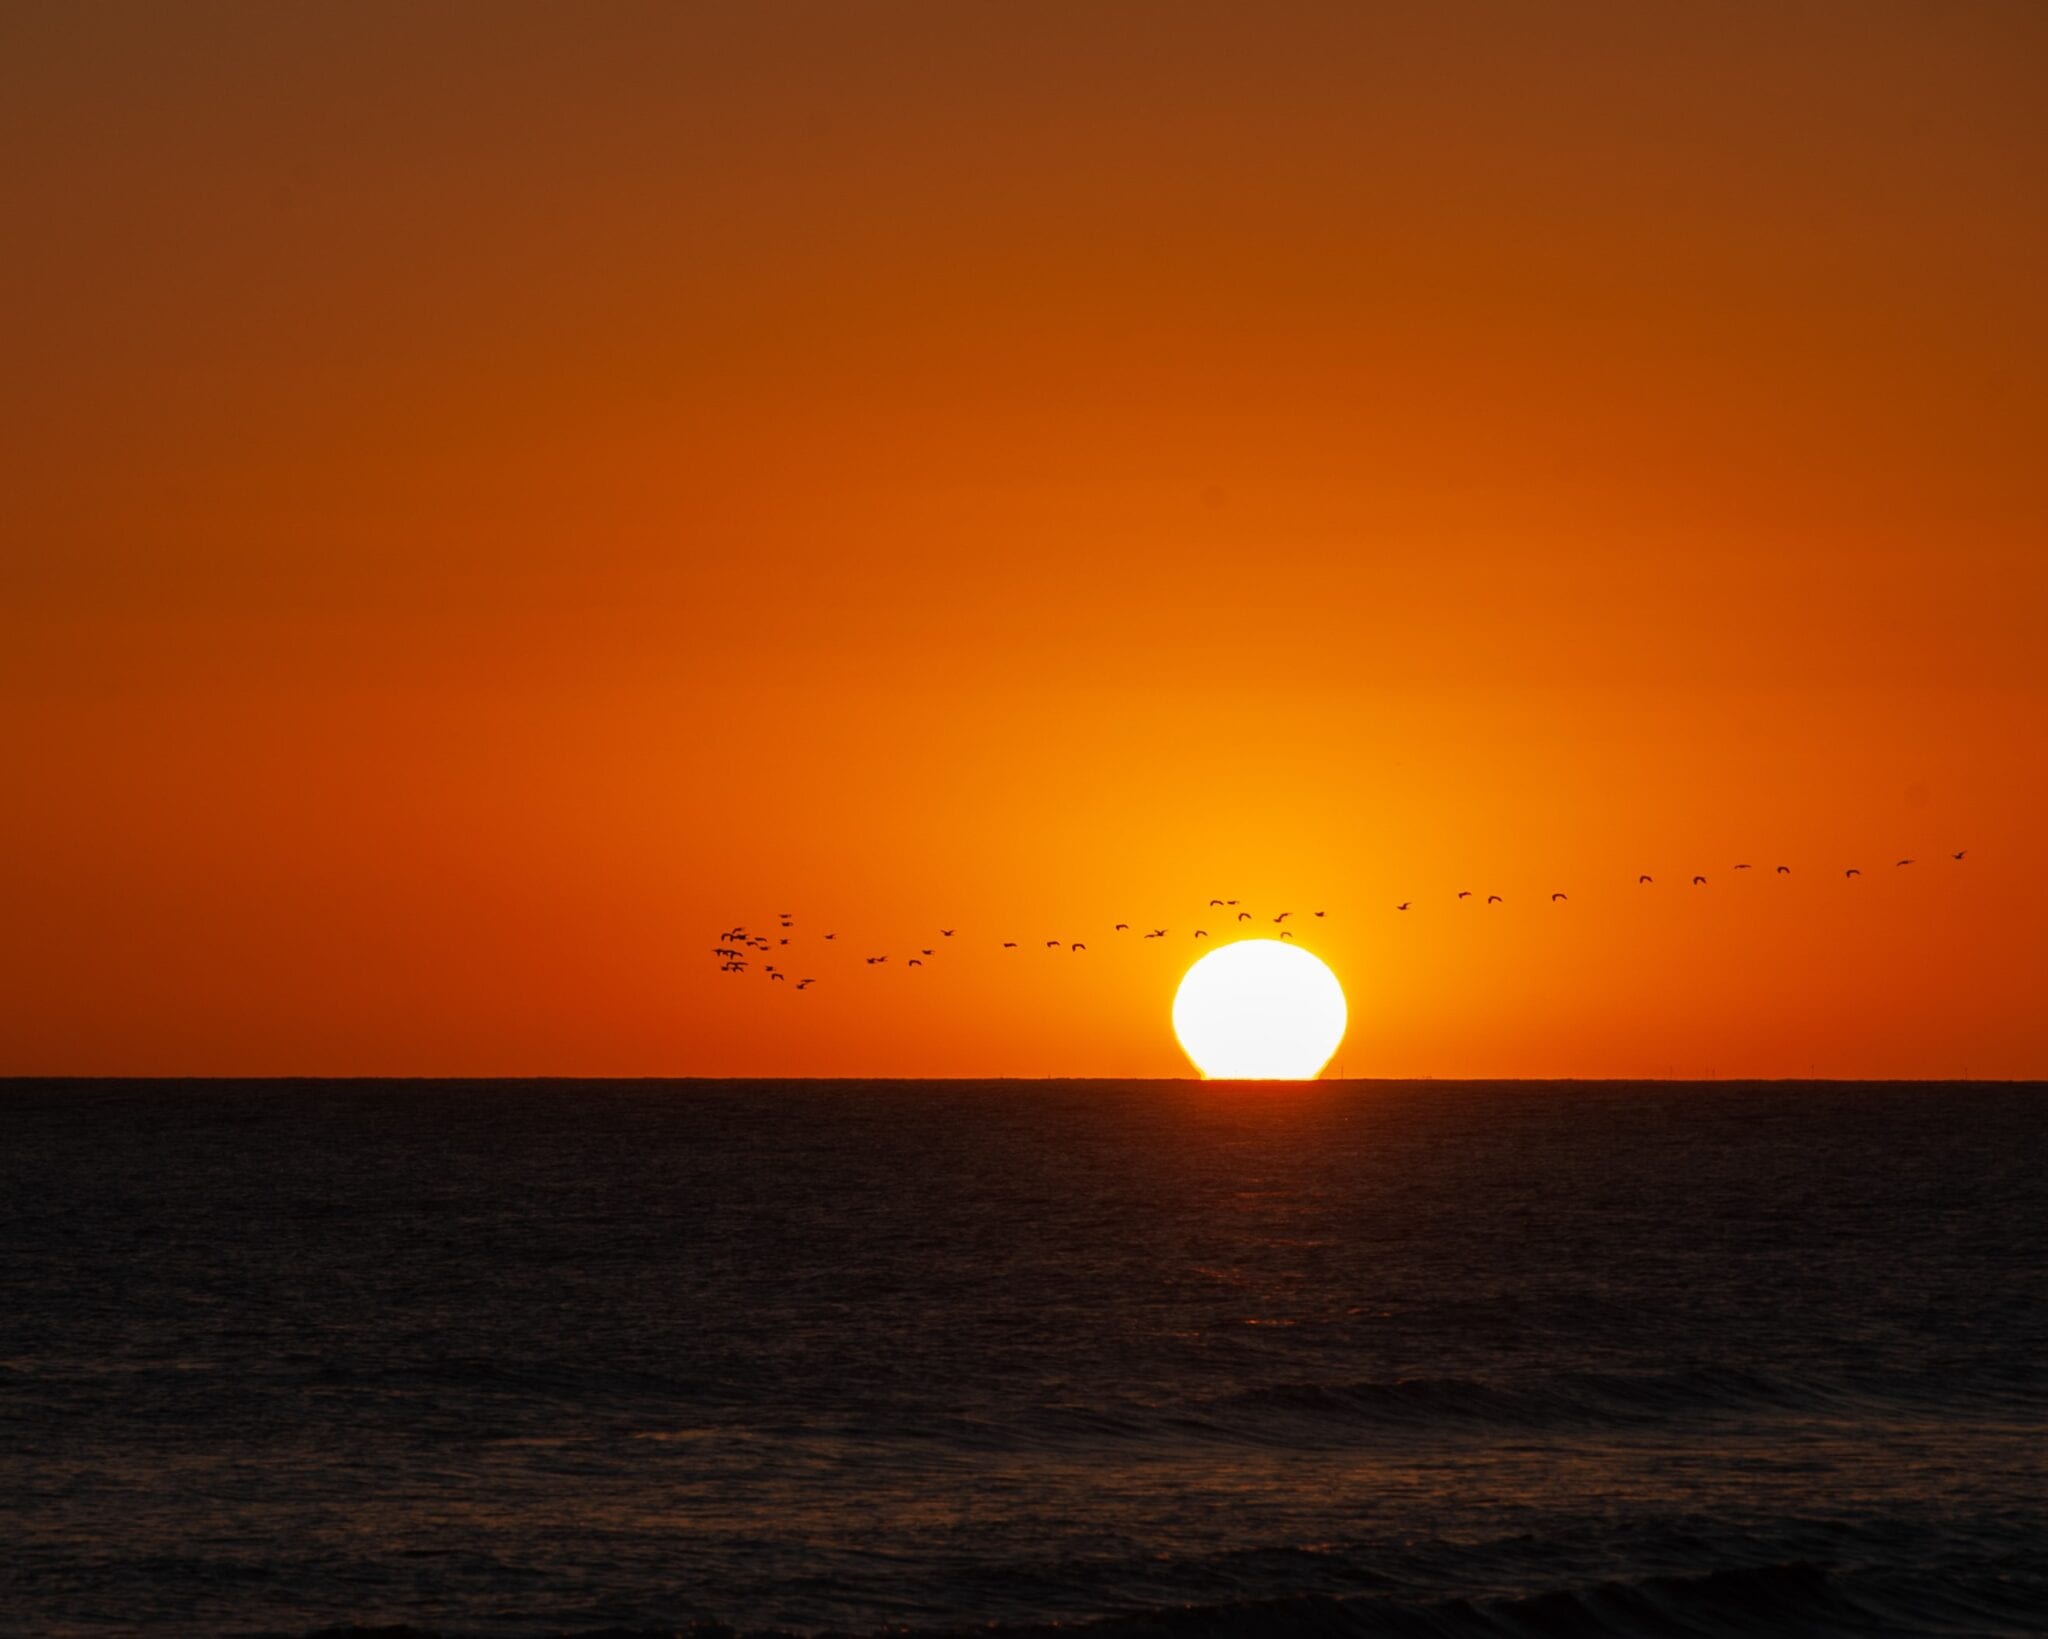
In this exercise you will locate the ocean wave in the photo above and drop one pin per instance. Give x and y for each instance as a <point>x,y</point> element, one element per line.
<point>1791,1598</point>
<point>1297,1412</point>
<point>474,1398</point>
<point>1795,1597</point>
<point>1541,1399</point>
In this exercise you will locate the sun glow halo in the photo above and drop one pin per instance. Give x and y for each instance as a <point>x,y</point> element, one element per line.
<point>1259,1010</point>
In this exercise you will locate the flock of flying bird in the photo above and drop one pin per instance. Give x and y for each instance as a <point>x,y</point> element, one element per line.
<point>738,948</point>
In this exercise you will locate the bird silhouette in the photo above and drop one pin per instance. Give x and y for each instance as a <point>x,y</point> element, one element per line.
<point>736,945</point>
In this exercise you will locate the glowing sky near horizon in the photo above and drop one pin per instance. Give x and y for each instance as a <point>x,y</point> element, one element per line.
<point>493,495</point>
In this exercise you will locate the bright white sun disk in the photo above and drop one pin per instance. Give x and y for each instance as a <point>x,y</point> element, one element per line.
<point>1259,1010</point>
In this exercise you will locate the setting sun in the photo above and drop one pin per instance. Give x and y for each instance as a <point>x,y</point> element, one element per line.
<point>1259,1011</point>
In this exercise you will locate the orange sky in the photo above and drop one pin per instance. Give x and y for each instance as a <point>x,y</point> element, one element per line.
<point>490,497</point>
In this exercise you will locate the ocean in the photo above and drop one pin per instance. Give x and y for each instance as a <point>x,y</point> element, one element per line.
<point>1424,1358</point>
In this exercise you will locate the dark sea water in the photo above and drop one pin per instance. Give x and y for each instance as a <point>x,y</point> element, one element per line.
<point>1416,1359</point>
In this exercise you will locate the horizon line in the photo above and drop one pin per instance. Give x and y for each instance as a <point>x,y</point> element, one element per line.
<point>13,1079</point>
